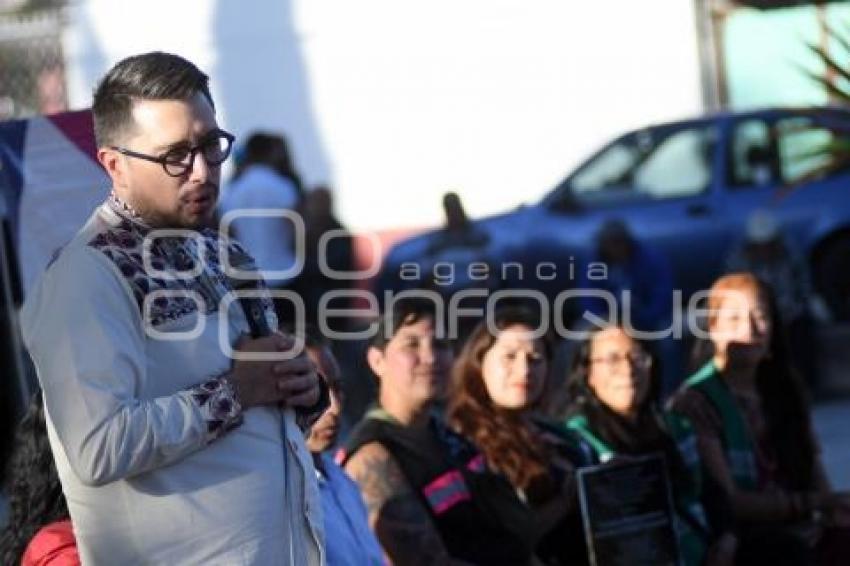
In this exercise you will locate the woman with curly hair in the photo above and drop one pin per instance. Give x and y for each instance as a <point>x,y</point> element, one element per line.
<point>755,434</point>
<point>39,529</point>
<point>497,383</point>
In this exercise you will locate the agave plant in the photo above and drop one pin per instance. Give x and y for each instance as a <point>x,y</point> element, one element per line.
<point>833,150</point>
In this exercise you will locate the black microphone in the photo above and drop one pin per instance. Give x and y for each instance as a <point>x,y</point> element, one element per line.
<point>255,314</point>
<point>252,307</point>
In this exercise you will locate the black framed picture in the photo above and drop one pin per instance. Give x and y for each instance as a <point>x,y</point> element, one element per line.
<point>627,512</point>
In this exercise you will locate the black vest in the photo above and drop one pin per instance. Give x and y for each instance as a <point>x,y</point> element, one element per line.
<point>448,475</point>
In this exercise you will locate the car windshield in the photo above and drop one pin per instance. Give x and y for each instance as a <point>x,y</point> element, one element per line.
<point>651,163</point>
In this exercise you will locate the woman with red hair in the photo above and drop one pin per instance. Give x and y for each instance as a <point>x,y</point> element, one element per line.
<point>497,382</point>
<point>755,436</point>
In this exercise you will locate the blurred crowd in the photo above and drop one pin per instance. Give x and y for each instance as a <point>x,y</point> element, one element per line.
<point>468,450</point>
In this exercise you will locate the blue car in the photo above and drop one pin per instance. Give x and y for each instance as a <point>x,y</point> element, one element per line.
<point>685,187</point>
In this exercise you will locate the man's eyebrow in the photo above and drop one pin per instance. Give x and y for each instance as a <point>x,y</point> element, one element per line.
<point>172,145</point>
<point>186,143</point>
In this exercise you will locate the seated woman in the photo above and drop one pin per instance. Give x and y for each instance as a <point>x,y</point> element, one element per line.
<point>348,540</point>
<point>497,382</point>
<point>755,435</point>
<point>413,472</point>
<point>38,532</point>
<point>613,384</point>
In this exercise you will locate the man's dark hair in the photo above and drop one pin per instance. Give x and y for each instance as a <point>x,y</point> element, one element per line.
<point>149,76</point>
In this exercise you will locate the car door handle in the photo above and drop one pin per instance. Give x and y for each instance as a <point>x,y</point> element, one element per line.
<point>698,210</point>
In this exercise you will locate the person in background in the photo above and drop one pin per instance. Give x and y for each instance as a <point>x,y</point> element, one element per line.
<point>459,231</point>
<point>462,245</point>
<point>266,182</point>
<point>755,436</point>
<point>349,541</point>
<point>765,253</point>
<point>614,411</point>
<point>39,531</point>
<point>498,380</point>
<point>336,254</point>
<point>636,270</point>
<point>411,469</point>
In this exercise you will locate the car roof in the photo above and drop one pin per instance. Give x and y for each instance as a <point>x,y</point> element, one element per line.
<point>767,112</point>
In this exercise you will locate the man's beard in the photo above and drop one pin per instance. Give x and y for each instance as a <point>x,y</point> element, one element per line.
<point>156,218</point>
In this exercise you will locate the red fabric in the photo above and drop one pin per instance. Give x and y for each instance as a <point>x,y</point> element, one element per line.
<point>53,545</point>
<point>79,128</point>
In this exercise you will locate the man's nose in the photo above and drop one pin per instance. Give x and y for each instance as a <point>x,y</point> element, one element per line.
<point>200,169</point>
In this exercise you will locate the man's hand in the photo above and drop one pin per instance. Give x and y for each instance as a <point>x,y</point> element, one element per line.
<point>300,387</point>
<point>292,382</point>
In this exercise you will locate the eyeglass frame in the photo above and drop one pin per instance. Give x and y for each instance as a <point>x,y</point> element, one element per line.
<point>193,152</point>
<point>639,359</point>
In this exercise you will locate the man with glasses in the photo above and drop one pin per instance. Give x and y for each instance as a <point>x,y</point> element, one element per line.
<point>171,446</point>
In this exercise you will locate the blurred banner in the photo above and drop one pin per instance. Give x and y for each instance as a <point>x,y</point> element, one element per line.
<point>50,182</point>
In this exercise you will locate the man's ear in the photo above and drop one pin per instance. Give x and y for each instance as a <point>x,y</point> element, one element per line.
<point>113,163</point>
<point>375,359</point>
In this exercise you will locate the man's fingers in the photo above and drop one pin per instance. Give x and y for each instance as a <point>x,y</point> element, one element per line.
<point>283,341</point>
<point>300,390</point>
<point>295,365</point>
<point>298,383</point>
<point>306,399</point>
<point>273,343</point>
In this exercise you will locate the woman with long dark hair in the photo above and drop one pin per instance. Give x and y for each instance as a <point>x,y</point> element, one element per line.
<point>613,385</point>
<point>497,383</point>
<point>271,150</point>
<point>39,528</point>
<point>266,179</point>
<point>755,434</point>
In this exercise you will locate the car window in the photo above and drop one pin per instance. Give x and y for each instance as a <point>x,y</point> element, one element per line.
<point>753,161</point>
<point>679,166</point>
<point>801,147</point>
<point>652,164</point>
<point>608,169</point>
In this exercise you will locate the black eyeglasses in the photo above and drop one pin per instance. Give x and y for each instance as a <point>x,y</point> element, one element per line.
<point>178,161</point>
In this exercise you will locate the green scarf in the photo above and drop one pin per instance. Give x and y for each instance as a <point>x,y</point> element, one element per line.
<point>736,440</point>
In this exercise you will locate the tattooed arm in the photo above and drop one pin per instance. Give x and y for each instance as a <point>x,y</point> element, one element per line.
<point>396,514</point>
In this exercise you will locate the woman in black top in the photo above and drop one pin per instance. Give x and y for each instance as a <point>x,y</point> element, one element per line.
<point>497,382</point>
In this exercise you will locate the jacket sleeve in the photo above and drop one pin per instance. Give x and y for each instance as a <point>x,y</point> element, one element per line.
<point>83,330</point>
